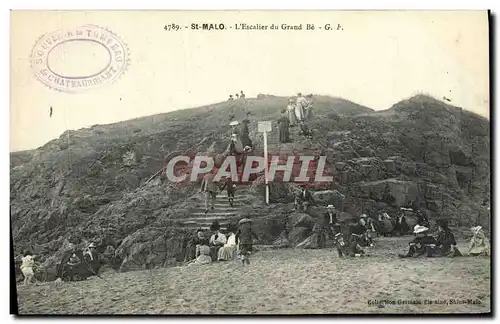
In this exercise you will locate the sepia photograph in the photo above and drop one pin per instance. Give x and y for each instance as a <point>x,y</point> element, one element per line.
<point>250,162</point>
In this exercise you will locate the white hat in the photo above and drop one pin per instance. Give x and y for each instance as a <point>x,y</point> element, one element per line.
<point>91,245</point>
<point>363,216</point>
<point>476,229</point>
<point>419,229</point>
<point>244,220</point>
<point>330,206</point>
<point>234,123</point>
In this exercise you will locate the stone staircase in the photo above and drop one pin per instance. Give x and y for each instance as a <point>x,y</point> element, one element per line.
<point>223,212</point>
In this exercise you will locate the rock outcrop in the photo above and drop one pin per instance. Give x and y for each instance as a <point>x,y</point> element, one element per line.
<point>92,184</point>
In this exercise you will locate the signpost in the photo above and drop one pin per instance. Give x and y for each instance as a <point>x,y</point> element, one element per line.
<point>265,127</point>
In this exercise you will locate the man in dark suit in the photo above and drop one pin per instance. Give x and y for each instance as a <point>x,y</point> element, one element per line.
<point>330,219</point>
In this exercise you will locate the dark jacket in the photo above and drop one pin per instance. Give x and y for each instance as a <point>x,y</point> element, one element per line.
<point>445,240</point>
<point>424,240</point>
<point>245,235</point>
<point>228,185</point>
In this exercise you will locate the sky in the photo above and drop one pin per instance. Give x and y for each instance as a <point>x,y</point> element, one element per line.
<point>378,59</point>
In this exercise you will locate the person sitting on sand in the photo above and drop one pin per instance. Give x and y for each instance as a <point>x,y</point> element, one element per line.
<point>446,243</point>
<point>422,244</point>
<point>217,240</point>
<point>244,239</point>
<point>422,220</point>
<point>194,245</point>
<point>27,265</point>
<point>479,243</point>
<point>203,258</point>
<point>346,246</point>
<point>227,252</point>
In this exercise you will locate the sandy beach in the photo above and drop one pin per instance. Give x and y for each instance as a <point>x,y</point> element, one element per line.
<point>280,282</point>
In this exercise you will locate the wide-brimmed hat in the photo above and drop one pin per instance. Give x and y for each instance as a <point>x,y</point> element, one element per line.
<point>291,101</point>
<point>234,123</point>
<point>244,221</point>
<point>363,216</point>
<point>91,245</point>
<point>476,229</point>
<point>419,229</point>
<point>330,207</point>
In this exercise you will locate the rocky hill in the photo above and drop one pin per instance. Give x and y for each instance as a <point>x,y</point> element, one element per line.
<point>90,184</point>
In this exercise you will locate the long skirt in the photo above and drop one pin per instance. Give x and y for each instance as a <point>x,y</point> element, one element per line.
<point>292,119</point>
<point>27,271</point>
<point>284,131</point>
<point>226,253</point>
<point>299,113</point>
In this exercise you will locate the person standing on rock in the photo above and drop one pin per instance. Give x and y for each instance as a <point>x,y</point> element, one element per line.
<point>304,198</point>
<point>246,142</point>
<point>27,265</point>
<point>290,111</point>
<point>300,104</point>
<point>308,112</point>
<point>330,219</point>
<point>283,122</point>
<point>244,239</point>
<point>210,188</point>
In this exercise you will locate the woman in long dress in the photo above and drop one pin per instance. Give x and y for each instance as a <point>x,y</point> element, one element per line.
<point>228,251</point>
<point>292,119</point>
<point>283,127</point>
<point>479,244</point>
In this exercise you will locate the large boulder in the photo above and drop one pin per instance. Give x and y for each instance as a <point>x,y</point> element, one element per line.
<point>298,234</point>
<point>282,241</point>
<point>279,192</point>
<point>151,247</point>
<point>310,243</point>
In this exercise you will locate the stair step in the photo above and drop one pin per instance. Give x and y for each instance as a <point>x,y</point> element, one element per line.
<point>207,219</point>
<point>219,208</point>
<point>213,213</point>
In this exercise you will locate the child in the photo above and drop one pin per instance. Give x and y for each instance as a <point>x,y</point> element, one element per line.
<point>231,188</point>
<point>244,237</point>
<point>27,265</point>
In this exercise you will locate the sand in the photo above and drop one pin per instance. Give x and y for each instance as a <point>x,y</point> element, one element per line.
<point>280,282</point>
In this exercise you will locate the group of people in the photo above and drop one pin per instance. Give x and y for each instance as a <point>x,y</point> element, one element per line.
<point>445,244</point>
<point>72,266</point>
<point>222,247</point>
<point>297,113</point>
<point>240,95</point>
<point>211,189</point>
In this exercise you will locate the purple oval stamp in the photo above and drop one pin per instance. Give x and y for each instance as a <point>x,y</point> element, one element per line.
<point>79,59</point>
